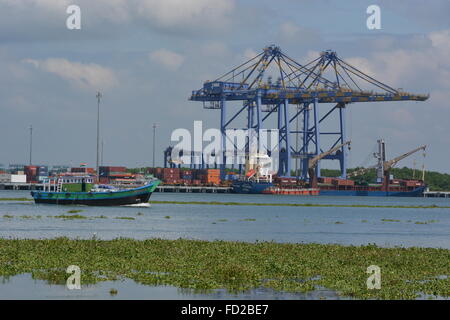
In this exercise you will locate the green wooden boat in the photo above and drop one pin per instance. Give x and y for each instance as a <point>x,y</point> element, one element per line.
<point>82,191</point>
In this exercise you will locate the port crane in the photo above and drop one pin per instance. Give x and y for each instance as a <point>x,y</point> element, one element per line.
<point>386,165</point>
<point>312,163</point>
<point>267,86</point>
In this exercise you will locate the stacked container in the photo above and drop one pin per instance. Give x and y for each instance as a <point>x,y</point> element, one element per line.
<point>31,172</point>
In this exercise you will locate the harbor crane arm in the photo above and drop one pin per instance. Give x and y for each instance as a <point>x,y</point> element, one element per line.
<point>360,171</point>
<point>312,163</point>
<point>390,163</point>
<point>387,165</point>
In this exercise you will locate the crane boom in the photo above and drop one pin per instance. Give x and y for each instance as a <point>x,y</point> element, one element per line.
<point>390,163</point>
<point>313,161</point>
<point>360,171</point>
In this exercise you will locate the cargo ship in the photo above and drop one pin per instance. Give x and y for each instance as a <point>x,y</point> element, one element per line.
<point>328,186</point>
<point>331,187</point>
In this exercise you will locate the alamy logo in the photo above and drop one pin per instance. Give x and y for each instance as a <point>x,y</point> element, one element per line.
<point>238,146</point>
<point>74,281</point>
<point>374,20</point>
<point>374,281</point>
<point>73,21</point>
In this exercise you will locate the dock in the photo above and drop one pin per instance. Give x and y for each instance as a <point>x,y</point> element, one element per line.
<point>160,188</point>
<point>436,194</point>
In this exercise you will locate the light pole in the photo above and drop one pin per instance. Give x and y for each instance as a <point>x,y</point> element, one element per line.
<point>31,142</point>
<point>98,96</point>
<point>154,139</point>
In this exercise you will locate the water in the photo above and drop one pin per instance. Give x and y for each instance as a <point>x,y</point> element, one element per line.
<point>348,226</point>
<point>18,287</point>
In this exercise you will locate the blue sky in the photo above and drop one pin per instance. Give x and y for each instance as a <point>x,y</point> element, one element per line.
<point>146,57</point>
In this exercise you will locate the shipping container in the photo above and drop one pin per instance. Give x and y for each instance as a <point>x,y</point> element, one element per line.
<point>18,178</point>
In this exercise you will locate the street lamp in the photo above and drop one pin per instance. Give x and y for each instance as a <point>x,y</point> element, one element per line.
<point>154,139</point>
<point>98,96</point>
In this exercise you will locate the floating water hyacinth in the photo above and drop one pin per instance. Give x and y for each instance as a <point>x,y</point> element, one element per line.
<point>235,266</point>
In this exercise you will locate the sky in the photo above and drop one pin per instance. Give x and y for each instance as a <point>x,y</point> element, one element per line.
<point>146,57</point>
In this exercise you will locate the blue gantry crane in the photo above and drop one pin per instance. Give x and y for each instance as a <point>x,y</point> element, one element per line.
<point>326,80</point>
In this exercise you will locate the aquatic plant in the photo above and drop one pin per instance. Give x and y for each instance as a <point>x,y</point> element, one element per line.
<point>113,291</point>
<point>69,217</point>
<point>75,211</point>
<point>126,218</point>
<point>235,266</point>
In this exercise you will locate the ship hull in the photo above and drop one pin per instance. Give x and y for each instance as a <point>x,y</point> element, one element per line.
<point>246,187</point>
<point>417,192</point>
<point>113,198</point>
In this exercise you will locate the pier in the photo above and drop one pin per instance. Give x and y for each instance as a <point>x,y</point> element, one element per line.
<point>160,188</point>
<point>436,194</point>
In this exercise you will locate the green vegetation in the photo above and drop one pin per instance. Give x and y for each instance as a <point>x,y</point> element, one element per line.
<point>69,217</point>
<point>126,218</point>
<point>435,180</point>
<point>390,220</point>
<point>426,222</point>
<point>16,199</point>
<point>8,216</point>
<point>248,219</point>
<point>167,217</point>
<point>74,211</point>
<point>235,266</point>
<point>295,204</point>
<point>113,292</point>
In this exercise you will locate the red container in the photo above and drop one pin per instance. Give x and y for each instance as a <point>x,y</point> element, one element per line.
<point>104,180</point>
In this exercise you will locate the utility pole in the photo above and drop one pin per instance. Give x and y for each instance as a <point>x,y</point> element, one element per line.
<point>154,139</point>
<point>98,96</point>
<point>101,158</point>
<point>31,142</point>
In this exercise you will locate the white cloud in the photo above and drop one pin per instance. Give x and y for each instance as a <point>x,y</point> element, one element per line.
<point>169,59</point>
<point>98,17</point>
<point>293,33</point>
<point>408,68</point>
<point>181,14</point>
<point>215,49</point>
<point>87,76</point>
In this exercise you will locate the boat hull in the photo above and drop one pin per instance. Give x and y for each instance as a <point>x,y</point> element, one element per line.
<point>248,187</point>
<point>417,192</point>
<point>112,198</point>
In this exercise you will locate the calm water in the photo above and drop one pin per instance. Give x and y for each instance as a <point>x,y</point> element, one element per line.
<point>349,226</point>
